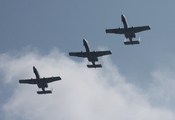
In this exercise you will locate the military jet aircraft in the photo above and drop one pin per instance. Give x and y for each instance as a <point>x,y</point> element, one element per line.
<point>92,56</point>
<point>41,82</point>
<point>129,32</point>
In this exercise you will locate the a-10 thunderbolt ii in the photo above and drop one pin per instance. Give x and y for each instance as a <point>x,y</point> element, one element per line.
<point>92,56</point>
<point>129,32</point>
<point>41,82</point>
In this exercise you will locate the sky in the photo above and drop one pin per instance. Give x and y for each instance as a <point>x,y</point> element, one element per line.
<point>136,82</point>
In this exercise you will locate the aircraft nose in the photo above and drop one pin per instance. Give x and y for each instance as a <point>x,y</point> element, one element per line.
<point>122,16</point>
<point>84,40</point>
<point>34,68</point>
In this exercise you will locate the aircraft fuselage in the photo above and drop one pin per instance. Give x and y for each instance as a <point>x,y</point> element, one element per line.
<point>36,73</point>
<point>85,43</point>
<point>89,56</point>
<point>128,33</point>
<point>125,24</point>
<point>40,83</point>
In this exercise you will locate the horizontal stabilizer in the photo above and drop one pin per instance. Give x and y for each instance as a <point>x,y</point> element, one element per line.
<point>44,92</point>
<point>131,43</point>
<point>94,66</point>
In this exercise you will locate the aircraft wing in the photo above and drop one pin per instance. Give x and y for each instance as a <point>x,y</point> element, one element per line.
<point>139,29</point>
<point>116,31</point>
<point>78,54</point>
<point>28,81</point>
<point>50,79</point>
<point>35,81</point>
<point>100,53</point>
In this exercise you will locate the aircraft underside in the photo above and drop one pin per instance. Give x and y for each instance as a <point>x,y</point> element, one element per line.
<point>93,60</point>
<point>43,91</point>
<point>131,41</point>
<point>40,82</point>
<point>130,35</point>
<point>42,85</point>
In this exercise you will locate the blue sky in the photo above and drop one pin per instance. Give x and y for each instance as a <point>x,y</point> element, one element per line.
<point>36,29</point>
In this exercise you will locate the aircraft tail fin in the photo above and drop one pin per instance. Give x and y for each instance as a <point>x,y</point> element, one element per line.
<point>44,92</point>
<point>132,42</point>
<point>94,66</point>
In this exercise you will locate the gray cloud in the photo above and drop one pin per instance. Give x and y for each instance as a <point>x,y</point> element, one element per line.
<point>88,94</point>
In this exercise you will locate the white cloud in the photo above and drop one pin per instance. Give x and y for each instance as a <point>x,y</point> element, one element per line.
<point>88,94</point>
<point>162,89</point>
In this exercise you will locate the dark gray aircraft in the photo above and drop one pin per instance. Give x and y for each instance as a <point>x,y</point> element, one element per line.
<point>92,56</point>
<point>129,32</point>
<point>41,82</point>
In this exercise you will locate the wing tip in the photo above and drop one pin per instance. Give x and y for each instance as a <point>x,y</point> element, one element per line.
<point>69,53</point>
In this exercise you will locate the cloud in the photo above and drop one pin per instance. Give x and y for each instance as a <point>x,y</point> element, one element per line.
<point>161,90</point>
<point>88,94</point>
